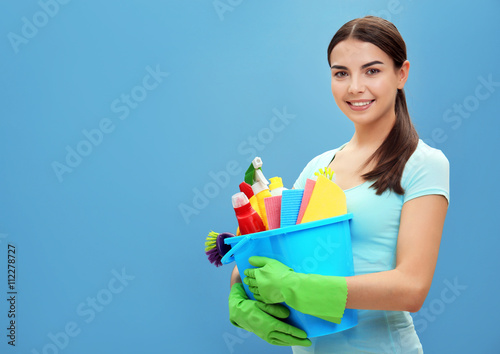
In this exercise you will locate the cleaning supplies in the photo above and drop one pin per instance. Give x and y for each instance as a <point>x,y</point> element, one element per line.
<point>276,186</point>
<point>297,247</point>
<point>305,198</point>
<point>215,248</point>
<point>248,220</point>
<point>259,177</point>
<point>261,192</point>
<point>255,178</point>
<point>291,200</point>
<point>327,200</point>
<point>247,189</point>
<point>273,211</point>
<point>327,172</point>
<point>254,172</point>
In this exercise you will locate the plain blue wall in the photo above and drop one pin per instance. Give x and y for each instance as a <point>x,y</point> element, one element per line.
<point>103,250</point>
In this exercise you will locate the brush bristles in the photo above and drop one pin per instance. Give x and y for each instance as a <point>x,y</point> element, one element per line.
<point>327,172</point>
<point>211,249</point>
<point>214,257</point>
<point>211,241</point>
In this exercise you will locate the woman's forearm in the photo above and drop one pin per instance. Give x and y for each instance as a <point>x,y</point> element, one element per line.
<point>235,276</point>
<point>390,290</point>
<point>405,287</point>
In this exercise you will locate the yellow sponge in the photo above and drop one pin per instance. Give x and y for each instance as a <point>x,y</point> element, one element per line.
<point>327,200</point>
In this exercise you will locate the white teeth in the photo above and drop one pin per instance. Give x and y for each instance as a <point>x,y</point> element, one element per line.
<point>359,104</point>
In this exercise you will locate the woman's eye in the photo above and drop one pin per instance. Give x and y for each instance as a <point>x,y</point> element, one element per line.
<point>372,71</point>
<point>340,74</point>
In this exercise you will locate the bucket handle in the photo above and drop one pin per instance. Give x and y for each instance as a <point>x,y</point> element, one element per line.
<point>229,256</point>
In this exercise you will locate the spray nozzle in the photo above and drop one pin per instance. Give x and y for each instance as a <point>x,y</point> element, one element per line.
<point>259,177</point>
<point>257,162</point>
<point>254,172</point>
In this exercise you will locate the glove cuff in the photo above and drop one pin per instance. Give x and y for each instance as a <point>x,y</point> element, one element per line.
<point>317,295</point>
<point>237,292</point>
<point>236,296</point>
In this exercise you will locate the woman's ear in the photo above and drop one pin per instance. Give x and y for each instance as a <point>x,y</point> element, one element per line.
<point>403,74</point>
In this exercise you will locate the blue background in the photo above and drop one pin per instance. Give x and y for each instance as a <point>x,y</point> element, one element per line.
<point>229,72</point>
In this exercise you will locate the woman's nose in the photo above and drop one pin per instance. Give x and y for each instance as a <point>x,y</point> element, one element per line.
<point>356,85</point>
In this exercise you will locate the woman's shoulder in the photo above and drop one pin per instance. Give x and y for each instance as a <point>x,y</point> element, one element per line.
<point>426,172</point>
<point>426,156</point>
<point>425,160</point>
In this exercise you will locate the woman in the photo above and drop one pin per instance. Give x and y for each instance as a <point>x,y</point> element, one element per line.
<point>397,188</point>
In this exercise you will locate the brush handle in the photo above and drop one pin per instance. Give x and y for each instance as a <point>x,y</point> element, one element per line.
<point>229,256</point>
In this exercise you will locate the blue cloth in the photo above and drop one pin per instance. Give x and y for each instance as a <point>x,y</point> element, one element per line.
<point>291,200</point>
<point>374,233</point>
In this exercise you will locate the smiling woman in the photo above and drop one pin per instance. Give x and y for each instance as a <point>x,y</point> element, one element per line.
<point>397,189</point>
<point>369,70</point>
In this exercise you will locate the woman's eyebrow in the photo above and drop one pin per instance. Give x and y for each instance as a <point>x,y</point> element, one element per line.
<point>364,66</point>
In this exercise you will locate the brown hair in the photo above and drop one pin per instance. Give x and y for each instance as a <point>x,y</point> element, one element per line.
<point>402,140</point>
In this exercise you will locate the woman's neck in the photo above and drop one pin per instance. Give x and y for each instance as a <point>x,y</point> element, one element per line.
<point>370,137</point>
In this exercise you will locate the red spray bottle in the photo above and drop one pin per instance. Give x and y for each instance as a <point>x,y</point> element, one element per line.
<point>248,219</point>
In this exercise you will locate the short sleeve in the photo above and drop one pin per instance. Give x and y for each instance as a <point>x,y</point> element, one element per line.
<point>427,172</point>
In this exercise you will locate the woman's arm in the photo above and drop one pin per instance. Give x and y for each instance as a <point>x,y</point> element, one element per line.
<point>235,276</point>
<point>405,287</point>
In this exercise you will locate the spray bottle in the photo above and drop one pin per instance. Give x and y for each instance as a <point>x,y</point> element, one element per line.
<point>255,178</point>
<point>254,172</point>
<point>261,191</point>
<point>247,189</point>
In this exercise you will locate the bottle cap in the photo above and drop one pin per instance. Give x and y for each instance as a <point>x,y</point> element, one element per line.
<point>258,187</point>
<point>239,199</point>
<point>276,182</point>
<point>247,189</point>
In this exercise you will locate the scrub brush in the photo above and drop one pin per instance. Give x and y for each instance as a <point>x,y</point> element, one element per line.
<point>215,248</point>
<point>327,172</point>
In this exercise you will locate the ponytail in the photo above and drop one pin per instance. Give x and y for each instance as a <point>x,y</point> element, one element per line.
<point>392,155</point>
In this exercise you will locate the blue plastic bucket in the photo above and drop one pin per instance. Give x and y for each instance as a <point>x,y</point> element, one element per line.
<point>318,247</point>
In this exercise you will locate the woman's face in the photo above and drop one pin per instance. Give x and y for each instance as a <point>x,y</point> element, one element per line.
<point>365,82</point>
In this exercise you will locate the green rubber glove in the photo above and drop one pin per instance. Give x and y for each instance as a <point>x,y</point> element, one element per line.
<point>260,318</point>
<point>317,295</point>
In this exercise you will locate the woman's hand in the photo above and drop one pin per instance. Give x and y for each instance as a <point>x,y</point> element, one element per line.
<point>263,319</point>
<point>271,275</point>
<point>317,295</point>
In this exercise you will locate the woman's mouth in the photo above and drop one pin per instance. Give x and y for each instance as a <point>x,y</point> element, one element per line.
<point>360,105</point>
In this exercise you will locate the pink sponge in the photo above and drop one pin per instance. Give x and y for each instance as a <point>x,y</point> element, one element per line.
<point>305,199</point>
<point>273,211</point>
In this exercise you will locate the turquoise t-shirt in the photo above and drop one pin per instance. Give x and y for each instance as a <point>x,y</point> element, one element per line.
<point>374,234</point>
